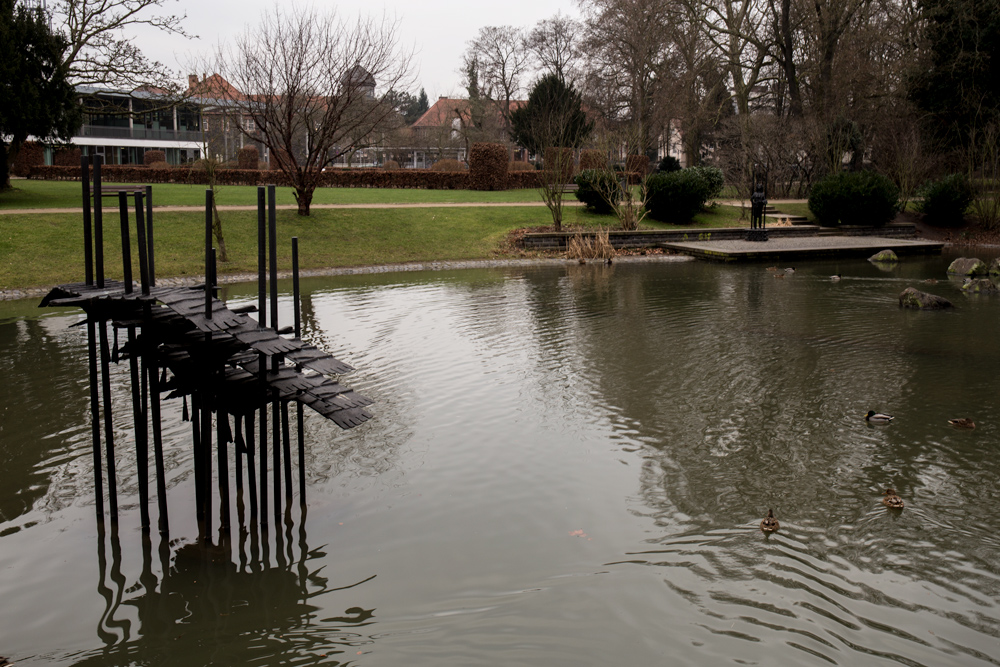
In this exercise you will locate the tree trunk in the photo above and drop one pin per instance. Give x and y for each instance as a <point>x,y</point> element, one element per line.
<point>787,49</point>
<point>303,197</point>
<point>8,154</point>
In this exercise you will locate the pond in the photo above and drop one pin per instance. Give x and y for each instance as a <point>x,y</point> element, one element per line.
<point>567,466</point>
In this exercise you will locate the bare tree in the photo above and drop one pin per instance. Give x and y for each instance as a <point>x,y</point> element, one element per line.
<point>555,43</point>
<point>308,82</point>
<point>500,59</point>
<point>628,43</point>
<point>101,53</point>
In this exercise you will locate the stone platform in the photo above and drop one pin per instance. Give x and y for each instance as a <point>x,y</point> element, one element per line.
<point>802,247</point>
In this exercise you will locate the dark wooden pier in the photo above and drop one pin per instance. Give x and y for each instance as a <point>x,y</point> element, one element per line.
<point>237,376</point>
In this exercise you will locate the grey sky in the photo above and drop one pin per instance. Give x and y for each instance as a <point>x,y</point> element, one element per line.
<point>438,29</point>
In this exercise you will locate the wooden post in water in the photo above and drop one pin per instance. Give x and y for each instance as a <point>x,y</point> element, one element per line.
<point>272,250</point>
<point>126,244</point>
<point>140,433</point>
<point>98,224</point>
<point>151,256</point>
<point>161,482</point>
<point>199,484</point>
<point>140,235</point>
<point>88,239</point>
<point>109,438</point>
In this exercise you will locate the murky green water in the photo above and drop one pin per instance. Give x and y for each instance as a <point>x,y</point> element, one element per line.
<point>567,467</point>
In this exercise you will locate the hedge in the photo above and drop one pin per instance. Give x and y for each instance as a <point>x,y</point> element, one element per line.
<point>554,155</point>
<point>152,157</point>
<point>352,178</point>
<point>488,166</point>
<point>854,198</point>
<point>676,196</point>
<point>31,155</point>
<point>637,163</point>
<point>248,157</point>
<point>592,158</point>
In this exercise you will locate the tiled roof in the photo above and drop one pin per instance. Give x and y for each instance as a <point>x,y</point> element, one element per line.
<point>447,109</point>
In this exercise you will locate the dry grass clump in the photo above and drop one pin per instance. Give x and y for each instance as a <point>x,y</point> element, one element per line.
<point>590,246</point>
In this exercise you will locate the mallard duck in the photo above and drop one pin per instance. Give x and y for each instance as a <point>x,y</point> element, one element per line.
<point>769,524</point>
<point>790,269</point>
<point>962,422</point>
<point>878,417</point>
<point>931,281</point>
<point>891,500</point>
<point>779,275</point>
<point>772,269</point>
<point>835,277</point>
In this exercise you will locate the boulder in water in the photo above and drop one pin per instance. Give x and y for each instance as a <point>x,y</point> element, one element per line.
<point>884,256</point>
<point>980,286</point>
<point>967,266</point>
<point>914,298</point>
<point>995,267</point>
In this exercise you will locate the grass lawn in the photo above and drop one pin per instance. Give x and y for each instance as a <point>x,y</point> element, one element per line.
<point>41,249</point>
<point>68,194</point>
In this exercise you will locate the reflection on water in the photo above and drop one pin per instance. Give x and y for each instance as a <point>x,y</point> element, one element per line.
<point>567,466</point>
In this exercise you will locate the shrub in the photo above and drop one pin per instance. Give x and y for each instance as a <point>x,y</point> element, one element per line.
<point>31,155</point>
<point>448,165</point>
<point>149,157</point>
<point>668,164</point>
<point>637,163</point>
<point>488,166</point>
<point>520,166</point>
<point>66,157</point>
<point>158,165</point>
<point>390,164</point>
<point>676,196</point>
<point>592,186</point>
<point>713,177</point>
<point>945,201</point>
<point>855,198</point>
<point>247,157</point>
<point>592,158</point>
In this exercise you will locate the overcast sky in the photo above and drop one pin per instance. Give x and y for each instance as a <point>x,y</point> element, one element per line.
<point>437,29</point>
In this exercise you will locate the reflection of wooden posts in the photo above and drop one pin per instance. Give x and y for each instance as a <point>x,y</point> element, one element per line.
<point>109,438</point>
<point>299,419</point>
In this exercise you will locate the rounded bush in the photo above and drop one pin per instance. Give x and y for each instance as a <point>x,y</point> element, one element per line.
<point>713,177</point>
<point>390,164</point>
<point>149,157</point>
<point>448,165</point>
<point>669,163</point>
<point>247,157</point>
<point>676,196</point>
<point>854,198</point>
<point>162,164</point>
<point>945,201</point>
<point>591,183</point>
<point>518,165</point>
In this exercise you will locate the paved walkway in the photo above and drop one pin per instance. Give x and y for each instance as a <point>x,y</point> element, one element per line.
<point>803,247</point>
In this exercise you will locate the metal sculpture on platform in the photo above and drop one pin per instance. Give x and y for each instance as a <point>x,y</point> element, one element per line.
<point>184,343</point>
<point>758,202</point>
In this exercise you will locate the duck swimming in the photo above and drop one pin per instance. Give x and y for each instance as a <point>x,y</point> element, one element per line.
<point>891,500</point>
<point>769,524</point>
<point>878,417</point>
<point>962,422</point>
<point>835,277</point>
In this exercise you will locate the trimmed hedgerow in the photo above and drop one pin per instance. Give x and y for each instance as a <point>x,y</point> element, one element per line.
<point>591,158</point>
<point>149,157</point>
<point>519,165</point>
<point>32,154</point>
<point>448,164</point>
<point>676,196</point>
<point>593,186</point>
<point>945,201</point>
<point>248,157</point>
<point>854,198</point>
<point>488,166</point>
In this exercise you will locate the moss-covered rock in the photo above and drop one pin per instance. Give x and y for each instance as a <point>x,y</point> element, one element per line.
<point>914,298</point>
<point>995,267</point>
<point>884,256</point>
<point>980,286</point>
<point>967,266</point>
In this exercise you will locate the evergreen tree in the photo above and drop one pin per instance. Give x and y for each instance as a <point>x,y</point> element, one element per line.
<point>552,117</point>
<point>35,97</point>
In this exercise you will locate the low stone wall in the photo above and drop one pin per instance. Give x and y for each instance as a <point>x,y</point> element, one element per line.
<point>645,238</point>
